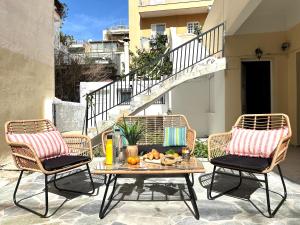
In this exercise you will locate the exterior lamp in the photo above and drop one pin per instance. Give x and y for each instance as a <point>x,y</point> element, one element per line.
<point>285,46</point>
<point>258,53</point>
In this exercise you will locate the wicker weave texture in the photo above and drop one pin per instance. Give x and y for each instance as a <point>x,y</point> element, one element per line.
<point>155,126</point>
<point>25,156</point>
<point>217,143</point>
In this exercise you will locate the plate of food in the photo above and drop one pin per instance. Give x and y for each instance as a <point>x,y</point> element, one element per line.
<point>169,158</point>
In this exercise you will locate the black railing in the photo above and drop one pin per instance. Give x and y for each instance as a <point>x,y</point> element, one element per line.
<point>104,99</point>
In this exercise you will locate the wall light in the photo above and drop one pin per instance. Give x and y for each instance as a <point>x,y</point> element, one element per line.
<point>258,53</point>
<point>285,46</point>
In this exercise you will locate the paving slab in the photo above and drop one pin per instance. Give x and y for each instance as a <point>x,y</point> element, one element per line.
<point>128,209</point>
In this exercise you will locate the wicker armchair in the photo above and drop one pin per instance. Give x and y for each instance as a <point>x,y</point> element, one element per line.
<point>154,134</point>
<point>26,158</point>
<point>217,155</point>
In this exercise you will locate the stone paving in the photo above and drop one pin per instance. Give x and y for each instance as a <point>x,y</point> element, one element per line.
<point>67,208</point>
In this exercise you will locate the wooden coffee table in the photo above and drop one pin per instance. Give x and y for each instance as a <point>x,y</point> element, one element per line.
<point>183,169</point>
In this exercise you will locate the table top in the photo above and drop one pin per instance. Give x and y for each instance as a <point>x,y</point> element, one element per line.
<point>191,166</point>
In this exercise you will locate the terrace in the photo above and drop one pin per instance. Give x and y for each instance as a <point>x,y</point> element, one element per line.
<point>202,85</point>
<point>76,209</point>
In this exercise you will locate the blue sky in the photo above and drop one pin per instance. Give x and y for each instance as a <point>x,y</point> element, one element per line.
<point>87,18</point>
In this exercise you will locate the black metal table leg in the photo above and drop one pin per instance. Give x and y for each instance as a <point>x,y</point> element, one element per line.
<point>193,179</point>
<point>192,196</point>
<point>30,210</point>
<point>104,207</point>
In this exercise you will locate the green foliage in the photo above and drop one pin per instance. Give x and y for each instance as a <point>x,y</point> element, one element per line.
<point>133,132</point>
<point>62,9</point>
<point>150,64</point>
<point>66,39</point>
<point>198,30</point>
<point>201,149</point>
<point>97,151</point>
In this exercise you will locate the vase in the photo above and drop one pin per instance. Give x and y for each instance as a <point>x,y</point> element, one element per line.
<point>131,150</point>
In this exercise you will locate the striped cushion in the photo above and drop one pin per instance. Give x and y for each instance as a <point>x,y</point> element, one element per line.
<point>46,144</point>
<point>255,143</point>
<point>175,136</point>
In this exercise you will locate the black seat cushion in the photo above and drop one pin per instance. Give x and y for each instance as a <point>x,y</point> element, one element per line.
<point>242,162</point>
<point>63,161</point>
<point>159,148</point>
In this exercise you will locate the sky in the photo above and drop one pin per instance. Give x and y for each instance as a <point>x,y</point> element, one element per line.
<point>87,18</point>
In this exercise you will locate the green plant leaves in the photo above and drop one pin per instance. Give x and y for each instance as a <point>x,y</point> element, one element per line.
<point>133,132</point>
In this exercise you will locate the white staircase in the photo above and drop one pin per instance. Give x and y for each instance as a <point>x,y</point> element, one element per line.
<point>190,60</point>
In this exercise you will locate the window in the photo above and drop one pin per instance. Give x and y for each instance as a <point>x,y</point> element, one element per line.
<point>125,95</point>
<point>191,27</point>
<point>158,29</point>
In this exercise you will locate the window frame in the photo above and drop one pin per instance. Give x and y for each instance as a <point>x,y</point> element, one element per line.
<point>191,22</point>
<point>154,33</point>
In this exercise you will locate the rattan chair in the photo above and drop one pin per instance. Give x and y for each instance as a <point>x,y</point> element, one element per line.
<point>217,155</point>
<point>154,130</point>
<point>26,158</point>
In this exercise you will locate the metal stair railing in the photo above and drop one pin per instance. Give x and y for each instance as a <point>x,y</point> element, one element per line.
<point>102,100</point>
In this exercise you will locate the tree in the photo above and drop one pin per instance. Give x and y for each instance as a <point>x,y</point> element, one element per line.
<point>152,63</point>
<point>66,39</point>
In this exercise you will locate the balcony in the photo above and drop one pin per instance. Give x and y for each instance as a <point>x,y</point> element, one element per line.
<point>157,8</point>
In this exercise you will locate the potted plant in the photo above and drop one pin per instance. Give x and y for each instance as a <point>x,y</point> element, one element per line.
<point>133,132</point>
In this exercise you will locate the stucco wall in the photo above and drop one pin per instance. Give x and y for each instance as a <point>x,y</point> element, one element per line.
<point>283,71</point>
<point>232,12</point>
<point>192,100</point>
<point>141,27</point>
<point>26,62</point>
<point>180,22</point>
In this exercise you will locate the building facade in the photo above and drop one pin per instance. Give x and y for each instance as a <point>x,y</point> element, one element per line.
<point>262,50</point>
<point>147,18</point>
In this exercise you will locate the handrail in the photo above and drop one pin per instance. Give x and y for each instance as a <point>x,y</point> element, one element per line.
<point>100,101</point>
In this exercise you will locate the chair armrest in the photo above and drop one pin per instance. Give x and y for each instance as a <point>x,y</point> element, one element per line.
<point>25,157</point>
<point>280,153</point>
<point>79,144</point>
<point>191,139</point>
<point>104,138</point>
<point>217,144</point>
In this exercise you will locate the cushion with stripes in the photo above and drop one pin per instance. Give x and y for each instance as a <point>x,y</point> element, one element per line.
<point>174,136</point>
<point>45,144</point>
<point>255,143</point>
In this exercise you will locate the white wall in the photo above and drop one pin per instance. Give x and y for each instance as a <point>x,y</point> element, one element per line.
<point>192,100</point>
<point>87,87</point>
<point>202,101</point>
<point>216,115</point>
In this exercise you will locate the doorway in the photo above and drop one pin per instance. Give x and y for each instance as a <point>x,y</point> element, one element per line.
<point>256,87</point>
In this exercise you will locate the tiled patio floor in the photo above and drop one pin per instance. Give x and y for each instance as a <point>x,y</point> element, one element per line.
<point>84,209</point>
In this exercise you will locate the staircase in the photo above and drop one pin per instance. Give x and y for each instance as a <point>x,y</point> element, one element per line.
<point>199,56</point>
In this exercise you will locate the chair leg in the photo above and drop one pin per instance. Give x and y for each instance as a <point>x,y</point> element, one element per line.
<point>270,213</point>
<point>68,190</point>
<point>209,190</point>
<point>30,210</point>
